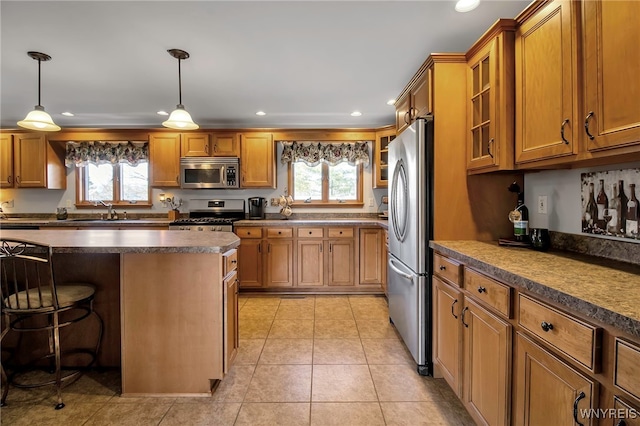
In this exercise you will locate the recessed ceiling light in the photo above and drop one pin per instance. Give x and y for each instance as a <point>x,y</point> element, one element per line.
<point>163,113</point>
<point>261,113</point>
<point>466,5</point>
<point>391,102</point>
<point>356,114</point>
<point>67,114</point>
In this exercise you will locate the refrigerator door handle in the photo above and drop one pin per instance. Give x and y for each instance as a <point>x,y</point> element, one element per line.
<point>399,272</point>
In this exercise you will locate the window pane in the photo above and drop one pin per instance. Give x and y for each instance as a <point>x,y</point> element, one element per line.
<point>99,182</point>
<point>135,182</point>
<point>343,182</point>
<point>307,182</point>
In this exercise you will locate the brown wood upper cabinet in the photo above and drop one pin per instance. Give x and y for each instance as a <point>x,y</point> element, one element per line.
<point>164,159</point>
<point>257,160</point>
<point>209,145</point>
<point>547,125</point>
<point>30,161</point>
<point>381,158</point>
<point>611,64</point>
<point>416,101</point>
<point>490,93</point>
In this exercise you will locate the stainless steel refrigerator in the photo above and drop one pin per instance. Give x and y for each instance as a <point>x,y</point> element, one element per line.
<point>410,229</point>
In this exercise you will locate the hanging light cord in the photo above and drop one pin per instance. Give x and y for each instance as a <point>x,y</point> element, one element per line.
<point>39,61</point>
<point>179,83</point>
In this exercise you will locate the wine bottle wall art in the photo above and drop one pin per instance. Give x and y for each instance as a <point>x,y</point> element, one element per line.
<point>609,203</point>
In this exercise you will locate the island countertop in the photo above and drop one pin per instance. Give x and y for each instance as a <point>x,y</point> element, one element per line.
<point>606,290</point>
<point>128,241</point>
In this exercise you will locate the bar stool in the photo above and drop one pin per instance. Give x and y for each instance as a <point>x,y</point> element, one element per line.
<point>33,302</point>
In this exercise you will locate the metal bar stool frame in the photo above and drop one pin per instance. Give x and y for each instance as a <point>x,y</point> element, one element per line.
<point>28,291</point>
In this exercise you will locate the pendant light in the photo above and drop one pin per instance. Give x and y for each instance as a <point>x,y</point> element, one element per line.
<point>38,119</point>
<point>180,119</point>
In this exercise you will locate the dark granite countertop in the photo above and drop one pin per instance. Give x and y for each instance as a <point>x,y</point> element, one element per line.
<point>605,290</point>
<point>128,241</point>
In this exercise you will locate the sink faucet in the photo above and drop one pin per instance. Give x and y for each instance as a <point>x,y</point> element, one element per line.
<point>111,213</point>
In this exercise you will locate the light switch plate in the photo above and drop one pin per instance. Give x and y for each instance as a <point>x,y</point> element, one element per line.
<point>542,204</point>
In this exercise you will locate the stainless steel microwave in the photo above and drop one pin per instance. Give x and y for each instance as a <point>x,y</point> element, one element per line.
<point>209,172</point>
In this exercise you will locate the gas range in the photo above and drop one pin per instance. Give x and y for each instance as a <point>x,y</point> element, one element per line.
<point>210,215</point>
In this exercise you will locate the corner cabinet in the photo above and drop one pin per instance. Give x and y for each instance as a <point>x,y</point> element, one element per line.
<point>381,157</point>
<point>547,84</point>
<point>257,161</point>
<point>490,93</point>
<point>611,63</point>
<point>164,153</point>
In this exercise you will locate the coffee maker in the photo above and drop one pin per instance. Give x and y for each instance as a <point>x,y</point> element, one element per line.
<point>257,207</point>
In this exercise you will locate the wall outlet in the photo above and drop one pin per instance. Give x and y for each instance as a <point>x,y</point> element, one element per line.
<point>542,204</point>
<point>69,203</point>
<point>385,200</point>
<point>275,201</point>
<point>371,202</point>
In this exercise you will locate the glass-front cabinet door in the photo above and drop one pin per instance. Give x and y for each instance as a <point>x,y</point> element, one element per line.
<point>490,85</point>
<point>381,160</point>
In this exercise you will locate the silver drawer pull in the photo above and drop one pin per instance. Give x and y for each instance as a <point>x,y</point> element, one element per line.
<point>546,326</point>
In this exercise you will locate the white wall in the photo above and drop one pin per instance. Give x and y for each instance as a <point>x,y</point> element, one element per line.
<point>563,191</point>
<point>47,200</point>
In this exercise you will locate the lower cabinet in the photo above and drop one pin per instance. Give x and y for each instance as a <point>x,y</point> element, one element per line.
<point>231,334</point>
<point>547,390</point>
<point>487,365</point>
<point>321,257</point>
<point>447,305</point>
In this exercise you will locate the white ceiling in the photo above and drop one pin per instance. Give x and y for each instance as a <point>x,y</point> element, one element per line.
<point>307,64</point>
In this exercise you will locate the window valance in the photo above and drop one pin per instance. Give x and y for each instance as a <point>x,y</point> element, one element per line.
<point>313,153</point>
<point>80,154</point>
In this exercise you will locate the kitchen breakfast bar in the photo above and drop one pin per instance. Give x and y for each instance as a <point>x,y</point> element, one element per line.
<point>168,300</point>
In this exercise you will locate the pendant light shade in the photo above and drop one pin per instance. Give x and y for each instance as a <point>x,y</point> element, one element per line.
<point>38,119</point>
<point>180,119</point>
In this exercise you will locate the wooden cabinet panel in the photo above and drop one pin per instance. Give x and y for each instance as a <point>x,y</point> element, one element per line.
<point>447,332</point>
<point>577,339</point>
<point>249,232</point>
<point>403,114</point>
<point>310,263</point>
<point>231,334</point>
<point>341,262</point>
<point>421,103</point>
<point>547,389</point>
<point>494,294</point>
<point>225,145</point>
<point>340,232</point>
<point>279,232</point>
<point>487,365</point>
<point>195,145</point>
<point>627,367</point>
<point>371,256</point>
<point>630,414</point>
<point>310,232</point>
<point>257,161</point>
<point>280,259</point>
<point>30,156</point>
<point>6,160</point>
<point>611,64</point>
<point>546,82</point>
<point>164,153</point>
<point>230,262</point>
<point>250,269</point>
<point>447,268</point>
<point>381,158</point>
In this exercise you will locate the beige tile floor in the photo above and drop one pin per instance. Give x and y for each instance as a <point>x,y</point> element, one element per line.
<point>315,360</point>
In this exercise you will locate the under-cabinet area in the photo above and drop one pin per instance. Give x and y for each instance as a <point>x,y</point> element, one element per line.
<point>536,345</point>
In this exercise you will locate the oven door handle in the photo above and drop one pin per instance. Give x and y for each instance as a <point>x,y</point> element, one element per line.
<point>399,272</point>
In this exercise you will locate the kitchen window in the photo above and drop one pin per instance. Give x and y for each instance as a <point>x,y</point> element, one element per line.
<point>326,174</point>
<point>113,172</point>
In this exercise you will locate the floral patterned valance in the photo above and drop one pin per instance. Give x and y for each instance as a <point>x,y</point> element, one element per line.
<point>312,153</point>
<point>80,154</point>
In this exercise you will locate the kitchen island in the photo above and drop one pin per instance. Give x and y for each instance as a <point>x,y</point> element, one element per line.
<point>168,300</point>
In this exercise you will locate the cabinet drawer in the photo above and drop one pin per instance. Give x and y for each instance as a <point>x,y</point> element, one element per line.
<point>279,232</point>
<point>446,268</point>
<point>310,233</point>
<point>575,338</point>
<point>630,414</point>
<point>627,367</point>
<point>491,292</point>
<point>248,232</point>
<point>229,261</point>
<point>340,232</point>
